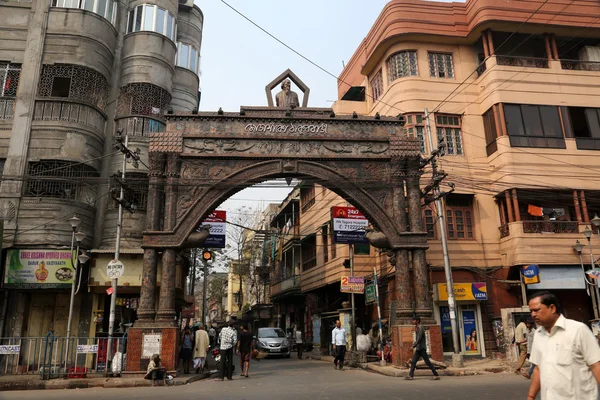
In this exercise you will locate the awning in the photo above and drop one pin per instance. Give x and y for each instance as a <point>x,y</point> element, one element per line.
<point>559,277</point>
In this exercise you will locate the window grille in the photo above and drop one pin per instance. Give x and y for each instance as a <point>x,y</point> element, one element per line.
<point>137,182</point>
<point>448,130</point>
<point>9,79</point>
<point>61,179</point>
<point>441,66</point>
<point>402,64</point>
<point>377,86</point>
<point>143,99</point>
<point>83,83</point>
<point>416,128</point>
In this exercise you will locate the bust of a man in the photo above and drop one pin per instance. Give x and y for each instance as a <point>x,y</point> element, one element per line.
<point>287,98</point>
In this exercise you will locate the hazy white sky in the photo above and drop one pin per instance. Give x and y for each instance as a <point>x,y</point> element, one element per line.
<point>239,60</point>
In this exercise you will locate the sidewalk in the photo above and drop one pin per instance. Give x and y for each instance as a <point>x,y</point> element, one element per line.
<point>471,367</point>
<point>33,382</point>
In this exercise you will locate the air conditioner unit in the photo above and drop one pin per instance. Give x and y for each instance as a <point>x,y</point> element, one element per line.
<point>186,3</point>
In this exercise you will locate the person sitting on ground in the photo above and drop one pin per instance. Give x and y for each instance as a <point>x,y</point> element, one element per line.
<point>155,370</point>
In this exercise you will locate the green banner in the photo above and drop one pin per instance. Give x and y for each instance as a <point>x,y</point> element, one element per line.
<point>38,269</point>
<point>370,293</point>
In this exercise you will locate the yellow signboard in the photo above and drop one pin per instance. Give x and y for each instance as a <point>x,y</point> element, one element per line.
<point>31,269</point>
<point>464,291</point>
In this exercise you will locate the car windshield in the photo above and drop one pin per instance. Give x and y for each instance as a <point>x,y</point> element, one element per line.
<point>271,333</point>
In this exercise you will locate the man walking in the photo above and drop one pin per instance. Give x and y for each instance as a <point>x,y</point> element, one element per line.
<point>299,343</point>
<point>227,340</point>
<point>201,347</point>
<point>521,342</point>
<point>244,349</point>
<point>339,341</point>
<point>566,354</point>
<point>420,346</point>
<point>530,334</point>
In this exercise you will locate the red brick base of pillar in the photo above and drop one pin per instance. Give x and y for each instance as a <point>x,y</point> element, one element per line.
<point>139,339</point>
<point>402,341</point>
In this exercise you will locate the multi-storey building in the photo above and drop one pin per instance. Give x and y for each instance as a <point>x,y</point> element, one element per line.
<point>510,88</point>
<point>75,75</point>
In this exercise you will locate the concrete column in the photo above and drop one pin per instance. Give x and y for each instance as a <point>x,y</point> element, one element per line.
<point>554,47</point>
<point>486,49</point>
<point>423,299</point>
<point>549,53</point>
<point>502,212</point>
<point>584,209</point>
<point>576,204</point>
<point>166,304</point>
<point>515,201</point>
<point>490,42</point>
<point>509,207</point>
<point>502,120</point>
<point>147,308</point>
<point>497,122</point>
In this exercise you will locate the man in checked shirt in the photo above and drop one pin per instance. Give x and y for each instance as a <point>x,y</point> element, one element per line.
<point>228,340</point>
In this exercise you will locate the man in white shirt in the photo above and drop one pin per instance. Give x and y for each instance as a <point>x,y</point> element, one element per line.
<point>338,339</point>
<point>565,352</point>
<point>299,344</point>
<point>521,342</point>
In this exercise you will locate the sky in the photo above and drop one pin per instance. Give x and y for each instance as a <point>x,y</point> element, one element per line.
<point>239,60</point>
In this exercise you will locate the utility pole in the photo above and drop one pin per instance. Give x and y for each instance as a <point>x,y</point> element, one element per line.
<point>204,290</point>
<point>135,157</point>
<point>457,357</point>
<point>353,324</point>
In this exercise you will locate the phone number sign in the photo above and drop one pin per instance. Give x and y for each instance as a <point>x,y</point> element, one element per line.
<point>348,225</point>
<point>352,284</point>
<point>218,229</point>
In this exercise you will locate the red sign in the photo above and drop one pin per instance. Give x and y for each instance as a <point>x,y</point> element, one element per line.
<point>218,229</point>
<point>109,291</point>
<point>217,216</point>
<point>346,212</point>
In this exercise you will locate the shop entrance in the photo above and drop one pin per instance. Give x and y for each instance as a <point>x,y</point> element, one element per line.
<point>469,326</point>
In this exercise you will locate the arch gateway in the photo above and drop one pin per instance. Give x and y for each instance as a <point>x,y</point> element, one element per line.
<point>204,158</point>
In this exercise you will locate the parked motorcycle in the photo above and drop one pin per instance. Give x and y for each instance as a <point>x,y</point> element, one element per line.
<point>216,353</point>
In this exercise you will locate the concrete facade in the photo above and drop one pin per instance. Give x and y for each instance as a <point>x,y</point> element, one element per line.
<point>82,77</point>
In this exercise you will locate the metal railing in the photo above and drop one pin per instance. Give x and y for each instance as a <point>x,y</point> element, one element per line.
<point>139,126</point>
<point>579,65</point>
<point>504,231</point>
<point>53,357</point>
<point>515,61</point>
<point>59,110</point>
<point>550,227</point>
<point>7,108</point>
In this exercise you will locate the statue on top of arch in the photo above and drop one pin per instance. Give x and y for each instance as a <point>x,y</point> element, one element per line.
<point>287,98</point>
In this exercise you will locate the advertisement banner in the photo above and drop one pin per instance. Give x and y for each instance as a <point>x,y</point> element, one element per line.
<point>218,229</point>
<point>352,284</point>
<point>38,269</point>
<point>348,225</point>
<point>370,296</point>
<point>464,291</point>
<point>445,319</point>
<point>10,349</point>
<point>87,348</point>
<point>531,274</point>
<point>470,329</point>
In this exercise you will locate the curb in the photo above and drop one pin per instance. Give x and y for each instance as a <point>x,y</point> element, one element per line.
<point>400,373</point>
<point>91,383</point>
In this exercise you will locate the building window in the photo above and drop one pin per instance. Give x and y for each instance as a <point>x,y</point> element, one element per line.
<point>429,222</point>
<point>459,216</point>
<point>74,82</point>
<point>489,127</point>
<point>9,79</point>
<point>309,252</point>
<point>60,179</point>
<point>105,8</point>
<point>188,57</point>
<point>440,65</point>
<point>448,131</point>
<point>534,126</point>
<point>325,237</point>
<point>307,197</point>
<point>401,65</point>
<point>147,17</point>
<point>377,86</point>
<point>416,128</point>
<point>585,124</point>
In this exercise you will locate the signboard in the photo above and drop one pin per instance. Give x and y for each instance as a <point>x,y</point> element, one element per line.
<point>352,284</point>
<point>115,269</point>
<point>218,230</point>
<point>531,274</point>
<point>87,348</point>
<point>348,225</point>
<point>38,269</point>
<point>593,273</point>
<point>470,329</point>
<point>151,345</point>
<point>464,291</point>
<point>10,349</point>
<point>110,291</point>
<point>370,294</point>
<point>445,324</point>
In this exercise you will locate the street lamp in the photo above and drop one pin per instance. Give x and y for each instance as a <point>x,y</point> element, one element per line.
<point>596,222</point>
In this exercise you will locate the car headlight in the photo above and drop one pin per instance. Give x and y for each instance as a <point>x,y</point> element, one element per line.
<point>284,342</point>
<point>262,343</point>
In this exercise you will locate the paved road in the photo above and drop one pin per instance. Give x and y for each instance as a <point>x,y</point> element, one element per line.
<point>291,379</point>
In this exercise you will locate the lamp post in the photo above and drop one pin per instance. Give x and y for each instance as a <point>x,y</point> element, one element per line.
<point>578,247</point>
<point>596,222</point>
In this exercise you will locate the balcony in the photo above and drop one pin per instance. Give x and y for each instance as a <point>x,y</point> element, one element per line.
<point>7,108</point>
<point>286,286</point>
<point>579,65</point>
<point>518,61</point>
<point>69,111</point>
<point>550,227</point>
<point>139,126</point>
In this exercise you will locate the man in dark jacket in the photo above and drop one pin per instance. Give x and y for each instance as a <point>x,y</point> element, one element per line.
<point>420,346</point>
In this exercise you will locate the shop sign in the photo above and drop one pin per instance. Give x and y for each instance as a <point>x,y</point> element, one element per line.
<point>348,225</point>
<point>445,324</point>
<point>352,284</point>
<point>39,269</point>
<point>531,274</point>
<point>370,293</point>
<point>151,345</point>
<point>10,349</point>
<point>218,229</point>
<point>464,291</point>
<point>87,348</point>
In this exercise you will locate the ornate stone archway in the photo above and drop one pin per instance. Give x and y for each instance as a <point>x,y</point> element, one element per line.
<point>204,158</point>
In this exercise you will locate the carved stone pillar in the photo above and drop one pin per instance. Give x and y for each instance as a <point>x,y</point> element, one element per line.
<point>166,304</point>
<point>147,308</point>
<point>423,299</point>
<point>403,292</point>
